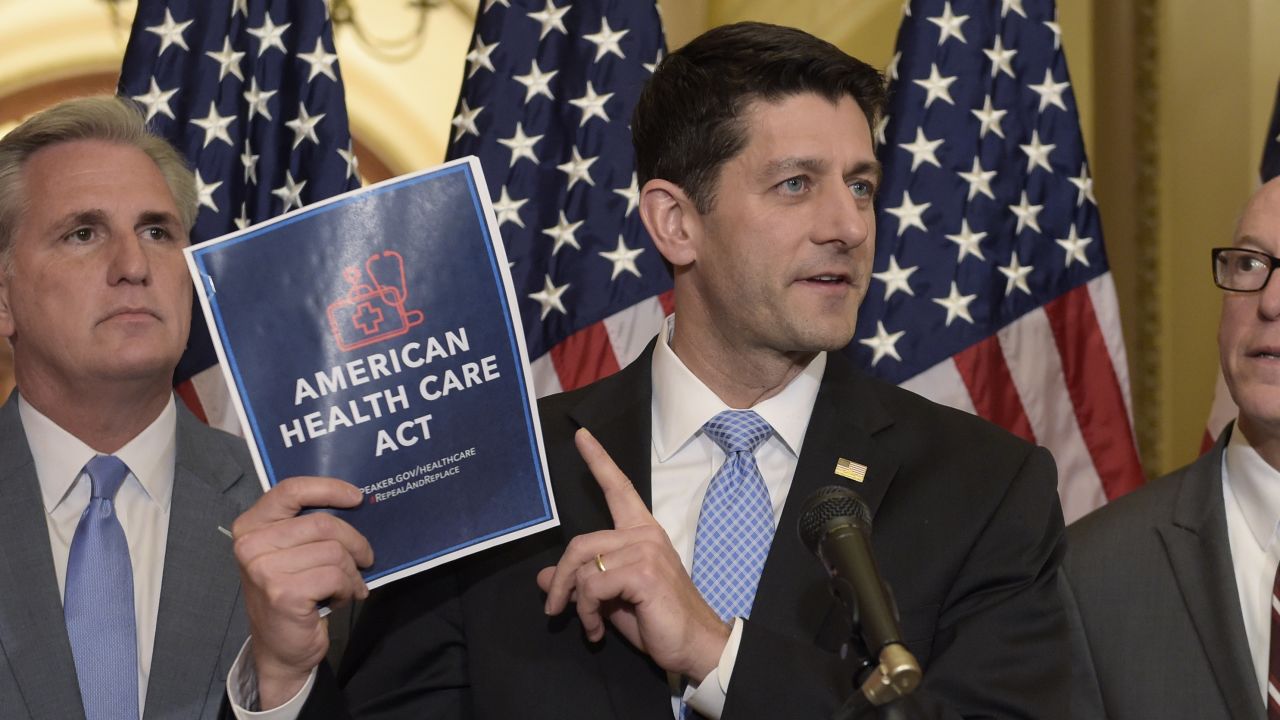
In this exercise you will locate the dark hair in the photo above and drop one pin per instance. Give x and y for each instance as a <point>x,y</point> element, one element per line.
<point>688,120</point>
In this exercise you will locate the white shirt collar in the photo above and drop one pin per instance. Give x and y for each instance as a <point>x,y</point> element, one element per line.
<point>1256,486</point>
<point>682,404</point>
<point>60,456</point>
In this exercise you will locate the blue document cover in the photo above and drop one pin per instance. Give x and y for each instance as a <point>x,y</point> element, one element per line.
<point>375,338</point>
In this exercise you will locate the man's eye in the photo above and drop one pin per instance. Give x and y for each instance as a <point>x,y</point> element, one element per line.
<point>862,189</point>
<point>794,185</point>
<point>1250,263</point>
<point>80,235</point>
<point>156,233</point>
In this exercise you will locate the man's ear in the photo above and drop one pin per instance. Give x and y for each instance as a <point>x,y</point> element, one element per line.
<point>672,221</point>
<point>7,326</point>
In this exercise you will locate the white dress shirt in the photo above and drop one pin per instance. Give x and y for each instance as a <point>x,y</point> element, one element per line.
<point>682,460</point>
<point>1251,493</point>
<point>142,505</point>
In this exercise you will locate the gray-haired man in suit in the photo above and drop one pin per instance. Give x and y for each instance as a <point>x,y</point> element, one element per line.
<point>119,597</point>
<point>1174,586</point>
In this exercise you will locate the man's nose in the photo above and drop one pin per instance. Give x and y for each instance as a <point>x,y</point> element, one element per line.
<point>844,218</point>
<point>129,260</point>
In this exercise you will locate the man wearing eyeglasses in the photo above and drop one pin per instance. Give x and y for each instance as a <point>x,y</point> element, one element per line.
<point>1171,589</point>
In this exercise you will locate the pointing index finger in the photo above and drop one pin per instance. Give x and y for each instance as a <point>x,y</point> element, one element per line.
<point>625,505</point>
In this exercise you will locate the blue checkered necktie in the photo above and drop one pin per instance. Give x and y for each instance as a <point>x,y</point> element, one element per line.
<point>98,601</point>
<point>735,527</point>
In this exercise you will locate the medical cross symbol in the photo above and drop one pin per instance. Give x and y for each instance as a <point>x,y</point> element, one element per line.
<point>368,318</point>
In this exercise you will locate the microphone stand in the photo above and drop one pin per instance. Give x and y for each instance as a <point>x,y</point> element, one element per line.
<point>893,679</point>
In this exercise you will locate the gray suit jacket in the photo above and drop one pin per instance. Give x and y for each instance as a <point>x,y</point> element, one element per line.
<point>1151,595</point>
<point>201,623</point>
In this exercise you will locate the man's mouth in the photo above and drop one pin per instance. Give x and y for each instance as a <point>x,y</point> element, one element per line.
<point>832,279</point>
<point>127,312</point>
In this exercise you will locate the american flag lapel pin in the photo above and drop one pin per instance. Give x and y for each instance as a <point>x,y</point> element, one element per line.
<point>856,472</point>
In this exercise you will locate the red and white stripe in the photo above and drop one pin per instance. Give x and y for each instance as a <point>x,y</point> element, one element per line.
<point>1058,377</point>
<point>1273,659</point>
<point>206,394</point>
<point>601,349</point>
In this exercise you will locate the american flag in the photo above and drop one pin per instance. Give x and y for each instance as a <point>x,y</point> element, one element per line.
<point>1224,408</point>
<point>546,104</point>
<point>992,291</point>
<point>252,95</point>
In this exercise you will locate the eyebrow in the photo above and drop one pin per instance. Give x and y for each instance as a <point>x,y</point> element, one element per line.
<point>97,216</point>
<point>810,164</point>
<point>157,217</point>
<point>817,165</point>
<point>83,217</point>
<point>869,167</point>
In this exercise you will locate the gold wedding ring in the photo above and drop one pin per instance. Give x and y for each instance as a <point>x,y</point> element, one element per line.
<point>600,562</point>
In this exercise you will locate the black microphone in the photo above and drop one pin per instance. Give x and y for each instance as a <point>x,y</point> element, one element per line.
<point>835,524</point>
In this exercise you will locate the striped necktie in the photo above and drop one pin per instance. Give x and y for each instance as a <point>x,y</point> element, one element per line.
<point>1273,664</point>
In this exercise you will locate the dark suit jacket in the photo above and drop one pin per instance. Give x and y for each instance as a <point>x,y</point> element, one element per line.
<point>200,626</point>
<point>968,532</point>
<point>1157,630</point>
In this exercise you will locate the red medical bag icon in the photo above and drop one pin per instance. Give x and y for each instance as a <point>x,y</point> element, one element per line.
<point>373,313</point>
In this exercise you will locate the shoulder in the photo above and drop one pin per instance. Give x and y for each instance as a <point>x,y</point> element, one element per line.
<point>952,442</point>
<point>950,469</point>
<point>220,441</point>
<point>214,441</point>
<point>1117,542</point>
<point>1124,518</point>
<point>218,457</point>
<point>622,396</point>
<point>920,414</point>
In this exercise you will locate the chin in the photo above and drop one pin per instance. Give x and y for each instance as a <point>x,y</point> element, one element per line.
<point>141,367</point>
<point>1258,403</point>
<point>820,340</point>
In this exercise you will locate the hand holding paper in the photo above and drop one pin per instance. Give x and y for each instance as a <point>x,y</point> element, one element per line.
<point>633,577</point>
<point>289,563</point>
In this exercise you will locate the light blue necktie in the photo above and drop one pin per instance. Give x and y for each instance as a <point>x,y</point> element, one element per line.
<point>735,527</point>
<point>98,601</point>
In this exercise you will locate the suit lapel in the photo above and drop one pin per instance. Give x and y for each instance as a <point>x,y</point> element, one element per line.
<point>201,585</point>
<point>1200,555</point>
<point>617,410</point>
<point>33,637</point>
<point>793,595</point>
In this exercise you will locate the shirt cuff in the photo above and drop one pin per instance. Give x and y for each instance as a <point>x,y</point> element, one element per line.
<point>708,696</point>
<point>242,691</point>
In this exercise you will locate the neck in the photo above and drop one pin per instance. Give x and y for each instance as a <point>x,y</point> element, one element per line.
<point>105,419</point>
<point>739,377</point>
<point>1263,438</point>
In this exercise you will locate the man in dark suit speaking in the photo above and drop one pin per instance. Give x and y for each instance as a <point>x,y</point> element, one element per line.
<point>1173,591</point>
<point>119,597</point>
<point>676,583</point>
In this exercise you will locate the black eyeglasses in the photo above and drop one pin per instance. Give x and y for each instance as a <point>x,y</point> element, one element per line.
<point>1241,270</point>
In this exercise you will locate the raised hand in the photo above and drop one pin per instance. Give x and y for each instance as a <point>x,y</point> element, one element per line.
<point>632,578</point>
<point>289,563</point>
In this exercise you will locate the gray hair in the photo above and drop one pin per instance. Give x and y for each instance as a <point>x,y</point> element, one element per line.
<point>99,117</point>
